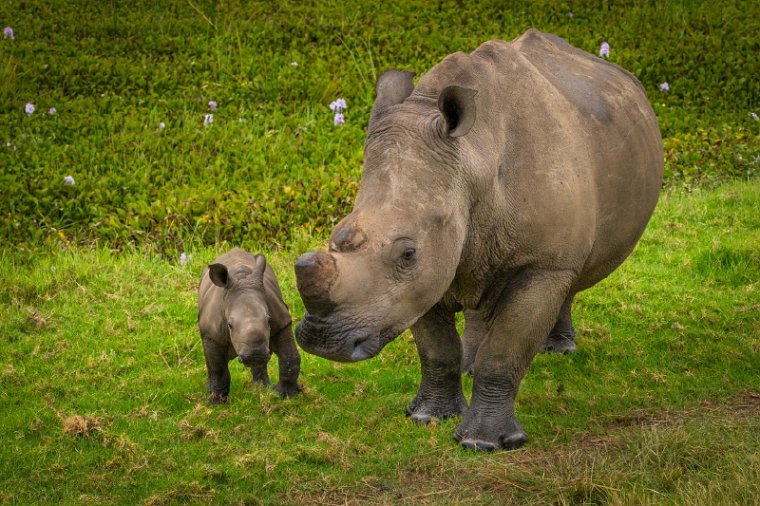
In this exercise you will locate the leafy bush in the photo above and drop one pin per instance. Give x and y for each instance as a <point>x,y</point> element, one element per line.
<point>272,161</point>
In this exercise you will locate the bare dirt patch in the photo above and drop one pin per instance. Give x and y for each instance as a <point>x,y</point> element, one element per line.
<point>742,405</point>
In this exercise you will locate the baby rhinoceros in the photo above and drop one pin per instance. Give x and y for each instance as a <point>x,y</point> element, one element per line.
<point>241,314</point>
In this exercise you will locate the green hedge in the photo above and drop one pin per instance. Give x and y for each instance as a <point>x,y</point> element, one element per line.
<point>272,162</point>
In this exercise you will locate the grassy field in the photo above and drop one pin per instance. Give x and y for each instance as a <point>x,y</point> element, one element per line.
<point>103,396</point>
<point>101,370</point>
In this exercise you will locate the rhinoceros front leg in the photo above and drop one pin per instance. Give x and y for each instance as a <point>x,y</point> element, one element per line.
<point>521,321</point>
<point>217,368</point>
<point>440,393</point>
<point>284,346</point>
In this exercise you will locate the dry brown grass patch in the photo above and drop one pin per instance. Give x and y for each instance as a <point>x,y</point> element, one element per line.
<point>82,426</point>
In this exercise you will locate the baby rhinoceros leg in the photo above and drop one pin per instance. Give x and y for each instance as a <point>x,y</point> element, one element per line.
<point>440,393</point>
<point>260,375</point>
<point>217,367</point>
<point>283,345</point>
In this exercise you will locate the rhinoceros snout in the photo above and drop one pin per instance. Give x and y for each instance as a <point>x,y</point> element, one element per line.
<point>327,339</point>
<point>315,275</point>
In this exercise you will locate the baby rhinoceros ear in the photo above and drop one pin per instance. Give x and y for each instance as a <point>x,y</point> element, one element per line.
<point>218,274</point>
<point>259,265</point>
<point>457,106</point>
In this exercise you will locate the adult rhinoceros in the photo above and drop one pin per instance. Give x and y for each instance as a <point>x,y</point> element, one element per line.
<point>506,182</point>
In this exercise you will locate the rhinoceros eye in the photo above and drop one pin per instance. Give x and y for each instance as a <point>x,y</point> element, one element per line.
<point>408,258</point>
<point>402,256</point>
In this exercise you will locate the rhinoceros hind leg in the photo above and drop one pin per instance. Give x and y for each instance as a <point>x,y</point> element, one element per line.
<point>474,332</point>
<point>560,342</point>
<point>562,337</point>
<point>440,393</point>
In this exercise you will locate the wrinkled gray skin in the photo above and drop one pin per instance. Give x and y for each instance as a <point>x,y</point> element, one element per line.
<point>241,314</point>
<point>507,181</point>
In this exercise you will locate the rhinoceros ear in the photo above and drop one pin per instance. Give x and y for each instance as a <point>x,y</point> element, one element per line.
<point>457,105</point>
<point>218,274</point>
<point>392,88</point>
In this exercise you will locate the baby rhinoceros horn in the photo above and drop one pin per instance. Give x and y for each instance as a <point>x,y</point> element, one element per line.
<point>316,273</point>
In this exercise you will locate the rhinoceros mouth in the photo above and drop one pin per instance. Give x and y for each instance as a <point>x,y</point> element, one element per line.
<point>332,338</point>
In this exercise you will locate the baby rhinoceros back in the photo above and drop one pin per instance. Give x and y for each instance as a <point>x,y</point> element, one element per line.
<point>241,314</point>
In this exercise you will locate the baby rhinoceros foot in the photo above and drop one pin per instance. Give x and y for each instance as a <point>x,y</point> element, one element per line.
<point>425,409</point>
<point>488,434</point>
<point>287,389</point>
<point>218,398</point>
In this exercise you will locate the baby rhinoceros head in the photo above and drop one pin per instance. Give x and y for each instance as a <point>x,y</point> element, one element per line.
<point>245,308</point>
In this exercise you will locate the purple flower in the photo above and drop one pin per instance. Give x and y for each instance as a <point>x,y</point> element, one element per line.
<point>8,33</point>
<point>68,181</point>
<point>208,118</point>
<point>570,15</point>
<point>212,105</point>
<point>665,86</point>
<point>338,105</point>
<point>604,51</point>
<point>162,125</point>
<point>184,258</point>
<point>29,108</point>
<point>753,115</point>
<point>339,120</point>
<point>294,64</point>
<point>52,111</point>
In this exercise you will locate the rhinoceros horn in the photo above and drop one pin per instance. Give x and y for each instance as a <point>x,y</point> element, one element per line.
<point>392,88</point>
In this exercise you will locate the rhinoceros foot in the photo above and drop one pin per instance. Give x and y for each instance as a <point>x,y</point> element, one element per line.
<point>425,409</point>
<point>560,342</point>
<point>490,435</point>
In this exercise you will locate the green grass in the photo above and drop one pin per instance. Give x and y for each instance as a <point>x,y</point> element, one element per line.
<point>102,388</point>
<point>272,163</point>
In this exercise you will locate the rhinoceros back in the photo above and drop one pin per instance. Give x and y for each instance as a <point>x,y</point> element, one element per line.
<point>619,133</point>
<point>572,132</point>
